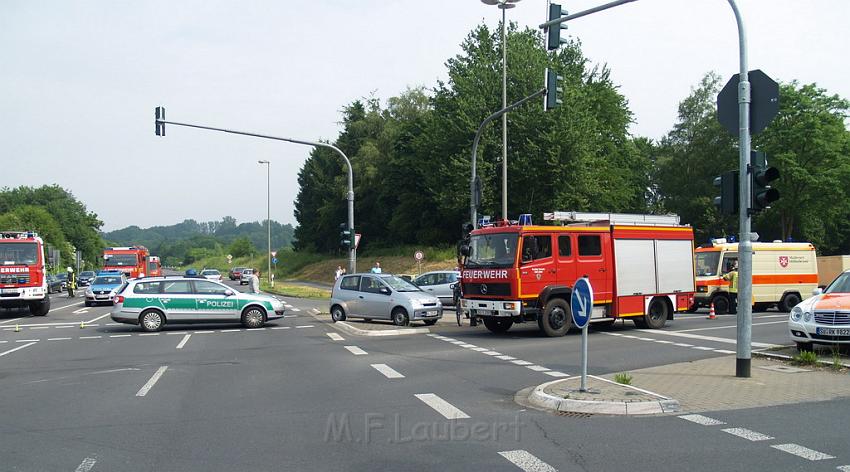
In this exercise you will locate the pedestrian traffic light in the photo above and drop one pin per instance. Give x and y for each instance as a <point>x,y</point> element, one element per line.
<point>554,91</point>
<point>553,36</point>
<point>763,194</point>
<point>728,201</point>
<point>160,117</point>
<point>346,235</point>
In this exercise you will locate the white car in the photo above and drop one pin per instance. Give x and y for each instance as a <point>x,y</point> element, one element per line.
<point>245,279</point>
<point>824,318</point>
<point>211,274</point>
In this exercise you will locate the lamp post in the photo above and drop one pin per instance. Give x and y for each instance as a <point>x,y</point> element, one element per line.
<point>504,5</point>
<point>268,212</point>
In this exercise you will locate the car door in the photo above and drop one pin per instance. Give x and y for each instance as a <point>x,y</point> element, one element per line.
<point>538,269</point>
<point>593,259</point>
<point>373,303</point>
<point>427,283</point>
<point>349,294</point>
<point>178,299</point>
<point>212,303</point>
<point>443,287</point>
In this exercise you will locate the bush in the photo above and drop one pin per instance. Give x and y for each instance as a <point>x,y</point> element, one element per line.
<point>623,378</point>
<point>806,358</point>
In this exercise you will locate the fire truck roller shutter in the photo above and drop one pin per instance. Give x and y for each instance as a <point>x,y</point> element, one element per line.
<point>675,266</point>
<point>635,263</point>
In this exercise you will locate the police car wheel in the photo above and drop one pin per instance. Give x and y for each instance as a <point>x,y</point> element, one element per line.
<point>151,320</point>
<point>253,317</point>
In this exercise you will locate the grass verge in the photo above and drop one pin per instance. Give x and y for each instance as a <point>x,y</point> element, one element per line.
<point>297,291</point>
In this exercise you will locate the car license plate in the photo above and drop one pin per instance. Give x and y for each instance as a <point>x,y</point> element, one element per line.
<point>9,290</point>
<point>834,331</point>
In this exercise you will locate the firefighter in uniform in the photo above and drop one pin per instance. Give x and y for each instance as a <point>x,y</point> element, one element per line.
<point>72,282</point>
<point>732,277</point>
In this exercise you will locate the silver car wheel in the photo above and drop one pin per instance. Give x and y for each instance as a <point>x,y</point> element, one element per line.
<point>151,321</point>
<point>253,318</point>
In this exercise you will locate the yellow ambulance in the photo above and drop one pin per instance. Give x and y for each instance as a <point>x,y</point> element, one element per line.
<point>784,274</point>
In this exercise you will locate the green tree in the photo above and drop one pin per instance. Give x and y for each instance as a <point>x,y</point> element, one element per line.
<point>241,247</point>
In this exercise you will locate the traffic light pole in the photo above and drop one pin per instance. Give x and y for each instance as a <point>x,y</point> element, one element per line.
<point>352,259</point>
<point>745,245</point>
<point>473,205</point>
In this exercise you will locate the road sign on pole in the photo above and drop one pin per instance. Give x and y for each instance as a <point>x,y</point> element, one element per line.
<point>581,306</point>
<point>418,255</point>
<point>274,253</point>
<point>764,103</point>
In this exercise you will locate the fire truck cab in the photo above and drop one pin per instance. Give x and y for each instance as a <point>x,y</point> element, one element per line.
<point>132,261</point>
<point>23,280</point>
<point>154,266</point>
<point>641,267</point>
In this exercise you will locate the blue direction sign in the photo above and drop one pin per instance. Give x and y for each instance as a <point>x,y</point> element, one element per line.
<point>274,260</point>
<point>581,302</point>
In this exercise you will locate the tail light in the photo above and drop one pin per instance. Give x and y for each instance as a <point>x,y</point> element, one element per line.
<point>119,299</point>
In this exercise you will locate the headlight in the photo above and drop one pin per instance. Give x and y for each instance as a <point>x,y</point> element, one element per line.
<point>89,292</point>
<point>807,316</point>
<point>796,313</point>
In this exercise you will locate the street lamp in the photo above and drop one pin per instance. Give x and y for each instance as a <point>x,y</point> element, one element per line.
<point>269,212</point>
<point>504,5</point>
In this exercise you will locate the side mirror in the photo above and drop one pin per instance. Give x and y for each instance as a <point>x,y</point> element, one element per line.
<point>464,250</point>
<point>385,290</point>
<point>817,292</point>
<point>228,293</point>
<point>453,286</point>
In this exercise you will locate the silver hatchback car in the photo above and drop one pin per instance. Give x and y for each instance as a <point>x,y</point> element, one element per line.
<point>383,296</point>
<point>440,283</point>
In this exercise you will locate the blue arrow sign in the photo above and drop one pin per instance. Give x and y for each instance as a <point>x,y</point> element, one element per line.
<point>581,302</point>
<point>274,260</point>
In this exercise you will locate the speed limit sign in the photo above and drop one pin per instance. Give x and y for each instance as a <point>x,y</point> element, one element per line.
<point>419,256</point>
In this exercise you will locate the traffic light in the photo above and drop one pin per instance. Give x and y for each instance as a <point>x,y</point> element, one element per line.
<point>554,91</point>
<point>727,202</point>
<point>346,236</point>
<point>160,115</point>
<point>553,36</point>
<point>763,194</point>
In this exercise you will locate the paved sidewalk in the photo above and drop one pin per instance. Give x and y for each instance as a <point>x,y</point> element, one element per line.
<point>710,384</point>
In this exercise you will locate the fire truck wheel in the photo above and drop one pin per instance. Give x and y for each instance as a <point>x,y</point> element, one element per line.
<point>40,308</point>
<point>721,304</point>
<point>498,325</point>
<point>656,317</point>
<point>789,301</point>
<point>400,317</point>
<point>556,318</point>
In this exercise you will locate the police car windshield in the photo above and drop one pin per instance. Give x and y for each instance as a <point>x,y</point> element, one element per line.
<point>18,253</point>
<point>707,263</point>
<point>840,285</point>
<point>102,280</point>
<point>120,260</point>
<point>492,250</point>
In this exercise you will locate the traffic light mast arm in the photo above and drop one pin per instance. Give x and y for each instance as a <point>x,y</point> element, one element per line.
<point>472,205</point>
<point>583,13</point>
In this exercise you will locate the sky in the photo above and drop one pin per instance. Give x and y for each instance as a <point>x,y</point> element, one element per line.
<point>80,81</point>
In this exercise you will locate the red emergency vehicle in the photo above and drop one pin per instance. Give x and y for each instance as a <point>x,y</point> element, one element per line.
<point>154,266</point>
<point>641,267</point>
<point>131,260</point>
<point>23,281</point>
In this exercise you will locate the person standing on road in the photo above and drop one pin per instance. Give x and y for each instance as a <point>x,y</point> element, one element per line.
<point>339,272</point>
<point>732,277</point>
<point>377,268</point>
<point>72,282</point>
<point>254,283</point>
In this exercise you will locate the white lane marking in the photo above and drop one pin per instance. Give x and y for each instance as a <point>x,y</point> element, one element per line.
<point>99,317</point>
<point>703,420</point>
<point>149,385</point>
<point>537,368</point>
<point>27,340</point>
<point>356,350</point>
<point>705,338</point>
<point>467,346</point>
<point>520,362</point>
<point>844,468</point>
<point>230,330</point>
<point>281,327</point>
<point>492,353</point>
<point>747,434</point>
<point>629,336</point>
<point>90,337</point>
<point>120,335</point>
<point>730,326</point>
<point>184,341</point>
<point>60,327</point>
<point>683,345</point>
<point>527,461</point>
<point>287,305</point>
<point>86,465</point>
<point>457,342</point>
<point>80,311</point>
<point>58,339</point>
<point>149,334</point>
<point>112,324</point>
<point>646,339</point>
<point>614,334</point>
<point>480,349</point>
<point>703,348</point>
<point>388,371</point>
<point>41,327</point>
<point>16,349</point>
<point>174,332</point>
<point>316,311</point>
<point>203,332</point>
<point>555,373</point>
<point>506,358</point>
<point>71,305</point>
<point>335,337</point>
<point>295,309</point>
<point>304,326</point>
<point>441,406</point>
<point>4,341</point>
<point>9,321</point>
<point>661,341</point>
<point>724,351</point>
<point>448,339</point>
<point>801,451</point>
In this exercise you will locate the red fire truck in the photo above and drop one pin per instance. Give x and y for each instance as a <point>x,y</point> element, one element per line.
<point>154,266</point>
<point>641,267</point>
<point>131,260</point>
<point>23,282</point>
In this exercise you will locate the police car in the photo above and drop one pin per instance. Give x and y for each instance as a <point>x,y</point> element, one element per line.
<point>153,302</point>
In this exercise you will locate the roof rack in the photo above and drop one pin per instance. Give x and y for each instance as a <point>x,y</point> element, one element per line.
<point>612,218</point>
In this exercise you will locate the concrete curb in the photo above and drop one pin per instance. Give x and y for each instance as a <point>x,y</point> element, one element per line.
<point>346,327</point>
<point>771,355</point>
<point>545,401</point>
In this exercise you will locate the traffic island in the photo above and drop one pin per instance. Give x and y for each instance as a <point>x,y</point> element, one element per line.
<point>602,396</point>
<point>359,327</point>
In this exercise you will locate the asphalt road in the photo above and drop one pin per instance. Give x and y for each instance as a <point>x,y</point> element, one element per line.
<point>300,395</point>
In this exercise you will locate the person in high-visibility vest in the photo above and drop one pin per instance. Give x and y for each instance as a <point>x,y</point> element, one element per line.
<point>732,277</point>
<point>72,282</point>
